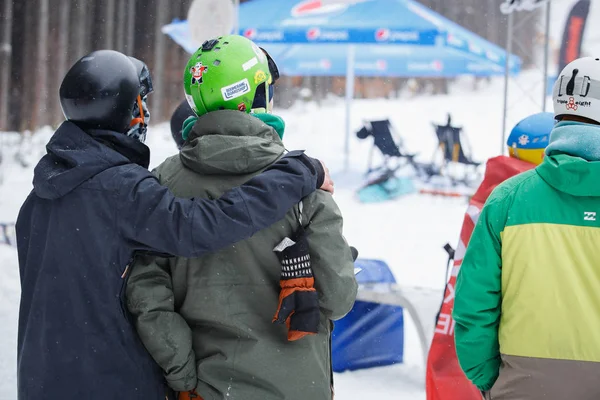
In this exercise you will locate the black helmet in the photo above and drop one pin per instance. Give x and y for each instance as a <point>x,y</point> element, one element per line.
<point>100,90</point>
<point>183,112</point>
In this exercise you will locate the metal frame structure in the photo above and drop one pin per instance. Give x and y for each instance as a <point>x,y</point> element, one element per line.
<point>422,305</point>
<point>509,7</point>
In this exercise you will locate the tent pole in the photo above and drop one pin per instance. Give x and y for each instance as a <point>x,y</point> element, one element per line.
<point>509,39</point>
<point>546,51</point>
<point>349,96</point>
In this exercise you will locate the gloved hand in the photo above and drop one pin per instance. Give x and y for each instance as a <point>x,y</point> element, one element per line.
<point>354,253</point>
<point>188,124</point>
<point>298,299</point>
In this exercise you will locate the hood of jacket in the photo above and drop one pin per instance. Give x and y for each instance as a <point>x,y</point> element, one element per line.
<point>572,161</point>
<point>74,156</point>
<point>229,142</point>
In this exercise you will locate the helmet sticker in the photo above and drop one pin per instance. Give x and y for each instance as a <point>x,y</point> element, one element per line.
<point>235,90</point>
<point>241,107</point>
<point>190,101</point>
<point>523,140</point>
<point>571,104</point>
<point>197,72</point>
<point>250,63</point>
<point>260,76</point>
<point>259,53</point>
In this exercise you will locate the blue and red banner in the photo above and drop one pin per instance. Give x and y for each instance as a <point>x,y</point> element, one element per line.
<point>570,49</point>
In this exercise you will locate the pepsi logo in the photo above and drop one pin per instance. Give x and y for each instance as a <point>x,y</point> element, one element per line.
<point>313,33</point>
<point>266,36</point>
<point>250,33</point>
<point>381,65</point>
<point>387,35</point>
<point>437,65</point>
<point>382,34</point>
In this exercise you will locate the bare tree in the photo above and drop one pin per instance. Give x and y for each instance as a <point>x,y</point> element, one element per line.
<point>62,50</point>
<point>121,26</point>
<point>159,55</point>
<point>5,62</point>
<point>174,68</point>
<point>82,28</point>
<point>129,43</point>
<point>41,67</point>
<point>109,24</point>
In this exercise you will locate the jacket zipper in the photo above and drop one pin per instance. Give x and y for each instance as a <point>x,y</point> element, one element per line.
<point>125,278</point>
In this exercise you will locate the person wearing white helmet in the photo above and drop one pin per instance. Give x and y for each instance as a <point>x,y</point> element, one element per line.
<point>528,291</point>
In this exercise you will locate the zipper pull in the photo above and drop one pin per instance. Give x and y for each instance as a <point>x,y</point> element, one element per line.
<point>125,274</point>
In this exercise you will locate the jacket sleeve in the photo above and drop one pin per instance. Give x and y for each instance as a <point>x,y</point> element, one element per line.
<point>165,334</point>
<point>477,302</point>
<point>151,218</point>
<point>330,255</point>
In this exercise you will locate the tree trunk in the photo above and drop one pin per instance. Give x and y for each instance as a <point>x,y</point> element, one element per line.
<point>5,62</point>
<point>62,52</point>
<point>109,24</point>
<point>28,72</point>
<point>159,58</point>
<point>121,26</point>
<point>81,28</point>
<point>40,110</point>
<point>130,42</point>
<point>174,69</point>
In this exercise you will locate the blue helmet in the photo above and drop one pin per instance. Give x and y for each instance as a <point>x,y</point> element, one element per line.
<point>530,136</point>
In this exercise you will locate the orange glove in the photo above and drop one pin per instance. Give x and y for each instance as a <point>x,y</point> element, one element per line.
<point>298,300</point>
<point>191,395</point>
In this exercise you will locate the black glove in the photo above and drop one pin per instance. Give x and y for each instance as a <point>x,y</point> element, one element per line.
<point>320,171</point>
<point>354,253</point>
<point>314,165</point>
<point>298,299</point>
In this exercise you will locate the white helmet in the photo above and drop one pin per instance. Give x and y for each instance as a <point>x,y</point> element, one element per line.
<point>577,90</point>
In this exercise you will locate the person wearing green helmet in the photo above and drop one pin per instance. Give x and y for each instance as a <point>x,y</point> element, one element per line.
<point>222,326</point>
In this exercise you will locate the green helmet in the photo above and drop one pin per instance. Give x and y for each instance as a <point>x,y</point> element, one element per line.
<point>225,73</point>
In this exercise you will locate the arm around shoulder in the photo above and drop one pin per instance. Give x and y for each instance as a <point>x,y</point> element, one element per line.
<point>152,218</point>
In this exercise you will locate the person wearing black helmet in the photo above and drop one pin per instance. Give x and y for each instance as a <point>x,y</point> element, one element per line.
<point>181,113</point>
<point>93,207</point>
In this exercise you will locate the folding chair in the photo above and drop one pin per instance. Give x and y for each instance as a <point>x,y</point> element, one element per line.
<point>385,185</point>
<point>389,144</point>
<point>450,145</point>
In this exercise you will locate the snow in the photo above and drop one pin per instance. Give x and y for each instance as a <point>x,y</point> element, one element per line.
<point>407,233</point>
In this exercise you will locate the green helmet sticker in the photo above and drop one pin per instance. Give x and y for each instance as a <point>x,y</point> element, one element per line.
<point>225,74</point>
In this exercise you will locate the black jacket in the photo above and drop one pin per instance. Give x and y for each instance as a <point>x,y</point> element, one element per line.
<point>93,206</point>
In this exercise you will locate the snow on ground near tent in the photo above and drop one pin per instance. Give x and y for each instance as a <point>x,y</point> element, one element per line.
<point>407,233</point>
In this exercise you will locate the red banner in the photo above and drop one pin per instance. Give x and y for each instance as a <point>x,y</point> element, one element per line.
<point>570,49</point>
<point>445,380</point>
